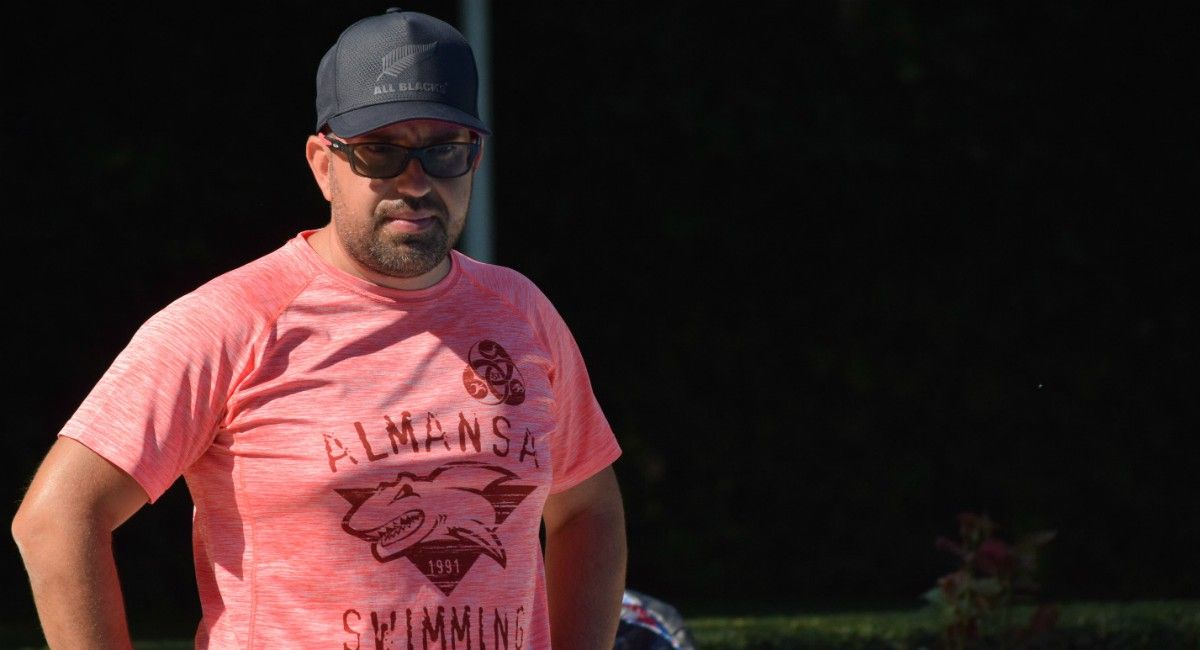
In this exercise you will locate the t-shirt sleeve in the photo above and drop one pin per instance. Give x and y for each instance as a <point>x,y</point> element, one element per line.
<point>156,409</point>
<point>584,442</point>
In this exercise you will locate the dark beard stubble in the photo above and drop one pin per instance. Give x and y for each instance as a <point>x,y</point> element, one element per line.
<point>404,255</point>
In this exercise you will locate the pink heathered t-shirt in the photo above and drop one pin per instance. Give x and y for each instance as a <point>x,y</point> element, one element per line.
<point>368,465</point>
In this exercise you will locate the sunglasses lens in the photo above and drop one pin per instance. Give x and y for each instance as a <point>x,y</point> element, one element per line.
<point>447,160</point>
<point>382,160</point>
<point>379,160</point>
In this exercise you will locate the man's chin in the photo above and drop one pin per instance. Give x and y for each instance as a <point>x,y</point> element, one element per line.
<point>403,260</point>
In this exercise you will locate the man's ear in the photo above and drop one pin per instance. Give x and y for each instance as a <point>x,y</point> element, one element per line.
<point>318,154</point>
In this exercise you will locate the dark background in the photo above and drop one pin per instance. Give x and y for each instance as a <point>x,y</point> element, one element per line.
<point>840,270</point>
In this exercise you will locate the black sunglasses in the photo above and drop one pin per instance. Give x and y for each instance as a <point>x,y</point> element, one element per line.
<point>387,160</point>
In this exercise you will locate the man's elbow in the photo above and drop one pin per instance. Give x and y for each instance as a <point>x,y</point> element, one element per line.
<point>31,530</point>
<point>42,534</point>
<point>24,528</point>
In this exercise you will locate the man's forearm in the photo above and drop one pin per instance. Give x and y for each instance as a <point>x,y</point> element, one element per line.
<point>76,589</point>
<point>585,577</point>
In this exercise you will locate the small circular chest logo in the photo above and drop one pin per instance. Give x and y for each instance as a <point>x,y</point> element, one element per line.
<point>491,376</point>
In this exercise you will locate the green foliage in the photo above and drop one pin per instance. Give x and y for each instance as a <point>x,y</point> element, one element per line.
<point>977,598</point>
<point>1157,625</point>
<point>857,631</point>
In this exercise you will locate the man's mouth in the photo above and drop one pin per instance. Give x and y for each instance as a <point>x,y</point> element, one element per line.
<point>409,224</point>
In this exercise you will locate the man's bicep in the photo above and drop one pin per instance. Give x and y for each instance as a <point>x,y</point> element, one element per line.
<point>598,494</point>
<point>74,481</point>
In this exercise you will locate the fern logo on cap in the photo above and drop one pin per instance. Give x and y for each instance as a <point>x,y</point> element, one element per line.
<point>403,58</point>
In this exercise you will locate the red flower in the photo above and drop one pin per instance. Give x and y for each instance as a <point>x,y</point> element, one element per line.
<point>994,557</point>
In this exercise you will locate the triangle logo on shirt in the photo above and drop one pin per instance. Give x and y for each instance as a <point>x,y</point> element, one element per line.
<point>441,522</point>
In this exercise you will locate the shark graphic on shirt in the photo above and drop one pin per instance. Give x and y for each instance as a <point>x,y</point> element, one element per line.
<point>446,519</point>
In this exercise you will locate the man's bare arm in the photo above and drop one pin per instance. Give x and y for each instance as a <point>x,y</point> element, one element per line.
<point>585,562</point>
<point>64,532</point>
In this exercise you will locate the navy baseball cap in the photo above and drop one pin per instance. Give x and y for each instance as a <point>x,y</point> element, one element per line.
<point>400,65</point>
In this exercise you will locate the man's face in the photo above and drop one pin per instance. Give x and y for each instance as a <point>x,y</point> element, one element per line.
<point>403,226</point>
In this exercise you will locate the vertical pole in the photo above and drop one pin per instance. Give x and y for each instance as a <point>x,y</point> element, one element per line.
<point>478,238</point>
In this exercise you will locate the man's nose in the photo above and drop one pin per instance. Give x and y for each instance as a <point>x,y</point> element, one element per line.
<point>413,178</point>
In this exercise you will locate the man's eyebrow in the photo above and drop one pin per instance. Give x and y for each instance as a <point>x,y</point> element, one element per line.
<point>452,135</point>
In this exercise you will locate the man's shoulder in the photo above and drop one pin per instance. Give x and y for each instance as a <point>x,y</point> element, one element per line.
<point>500,280</point>
<point>521,293</point>
<point>245,296</point>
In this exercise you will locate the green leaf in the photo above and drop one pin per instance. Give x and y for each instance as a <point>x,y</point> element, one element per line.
<point>935,596</point>
<point>988,587</point>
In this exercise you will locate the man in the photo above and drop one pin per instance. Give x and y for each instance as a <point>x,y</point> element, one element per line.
<point>372,425</point>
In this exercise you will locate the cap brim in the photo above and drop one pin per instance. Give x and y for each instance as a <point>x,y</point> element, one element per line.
<point>369,118</point>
